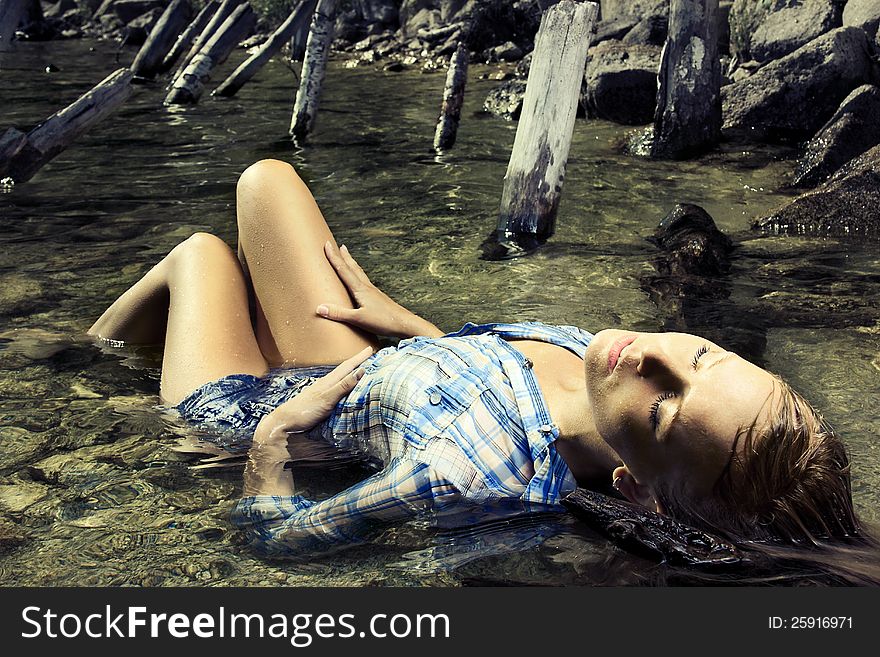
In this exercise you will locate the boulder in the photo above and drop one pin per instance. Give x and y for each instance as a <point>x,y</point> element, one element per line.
<point>621,82</point>
<point>139,28</point>
<point>507,52</point>
<point>611,10</point>
<point>785,30</point>
<point>791,98</point>
<point>128,10</point>
<point>862,13</point>
<point>613,30</point>
<point>651,31</point>
<point>853,129</point>
<point>745,17</point>
<point>844,206</point>
<point>59,8</point>
<point>506,99</point>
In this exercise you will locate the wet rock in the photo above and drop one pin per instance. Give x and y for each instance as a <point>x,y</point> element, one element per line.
<point>12,535</point>
<point>506,99</point>
<point>692,243</point>
<point>862,13</point>
<point>621,82</point>
<point>845,205</point>
<point>128,10</point>
<point>18,496</point>
<point>791,98</point>
<point>788,28</point>
<point>138,29</point>
<point>745,17</point>
<point>853,129</point>
<point>507,52</point>
<point>649,31</point>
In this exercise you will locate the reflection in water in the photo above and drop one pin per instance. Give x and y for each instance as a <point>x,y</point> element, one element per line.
<point>92,487</point>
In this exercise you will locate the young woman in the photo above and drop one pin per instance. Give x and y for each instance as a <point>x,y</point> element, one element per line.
<point>278,343</point>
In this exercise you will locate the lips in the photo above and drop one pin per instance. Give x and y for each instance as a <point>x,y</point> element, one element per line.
<point>618,346</point>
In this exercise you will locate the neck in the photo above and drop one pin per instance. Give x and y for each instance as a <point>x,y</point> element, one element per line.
<point>580,445</point>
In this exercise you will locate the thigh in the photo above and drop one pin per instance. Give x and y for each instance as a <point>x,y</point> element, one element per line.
<point>209,333</point>
<point>281,234</point>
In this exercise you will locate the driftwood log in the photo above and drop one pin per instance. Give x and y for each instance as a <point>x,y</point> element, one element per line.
<point>11,13</point>
<point>11,143</point>
<point>185,40</point>
<point>58,131</point>
<point>298,17</point>
<point>305,108</point>
<point>533,183</point>
<point>162,37</point>
<point>217,20</point>
<point>188,86</point>
<point>453,98</point>
<point>688,115</point>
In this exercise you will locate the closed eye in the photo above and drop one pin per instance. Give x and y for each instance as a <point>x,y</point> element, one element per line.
<point>702,351</point>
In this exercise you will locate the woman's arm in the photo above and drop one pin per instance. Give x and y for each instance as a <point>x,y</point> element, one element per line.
<point>376,312</point>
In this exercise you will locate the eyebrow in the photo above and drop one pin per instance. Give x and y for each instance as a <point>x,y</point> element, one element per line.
<point>675,414</point>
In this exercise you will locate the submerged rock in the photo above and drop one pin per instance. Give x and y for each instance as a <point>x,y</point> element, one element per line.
<point>791,98</point>
<point>853,129</point>
<point>786,29</point>
<point>621,82</point>
<point>845,205</point>
<point>16,497</point>
<point>691,243</point>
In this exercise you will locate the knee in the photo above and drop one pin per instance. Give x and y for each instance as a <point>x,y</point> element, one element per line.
<point>202,247</point>
<point>266,174</point>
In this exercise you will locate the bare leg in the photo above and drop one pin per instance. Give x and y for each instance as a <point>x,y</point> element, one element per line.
<point>196,297</point>
<point>281,235</point>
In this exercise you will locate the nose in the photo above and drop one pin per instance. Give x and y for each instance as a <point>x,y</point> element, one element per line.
<point>656,363</point>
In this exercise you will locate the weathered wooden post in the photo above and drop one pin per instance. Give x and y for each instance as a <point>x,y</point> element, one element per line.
<point>192,32</point>
<point>223,12</point>
<point>162,37</point>
<point>688,115</point>
<point>57,132</point>
<point>11,143</point>
<point>11,13</point>
<point>453,97</point>
<point>533,183</point>
<point>188,86</point>
<point>248,69</point>
<point>305,108</point>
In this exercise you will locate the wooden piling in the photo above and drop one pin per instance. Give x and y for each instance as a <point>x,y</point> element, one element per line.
<point>687,120</point>
<point>11,13</point>
<point>217,20</point>
<point>11,143</point>
<point>533,183</point>
<point>305,107</point>
<point>188,87</point>
<point>191,33</point>
<point>453,97</point>
<point>57,132</point>
<point>162,37</point>
<point>298,17</point>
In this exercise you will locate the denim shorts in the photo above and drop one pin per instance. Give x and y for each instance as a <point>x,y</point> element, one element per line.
<point>231,408</point>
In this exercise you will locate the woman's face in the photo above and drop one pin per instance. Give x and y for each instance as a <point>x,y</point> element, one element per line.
<point>672,404</point>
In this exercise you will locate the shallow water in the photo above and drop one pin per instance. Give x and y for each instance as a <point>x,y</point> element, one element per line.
<point>91,490</point>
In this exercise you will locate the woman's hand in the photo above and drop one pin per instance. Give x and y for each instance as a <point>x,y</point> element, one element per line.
<point>265,472</point>
<point>376,312</point>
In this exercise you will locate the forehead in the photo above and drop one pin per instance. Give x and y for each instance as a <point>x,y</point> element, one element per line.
<point>726,398</point>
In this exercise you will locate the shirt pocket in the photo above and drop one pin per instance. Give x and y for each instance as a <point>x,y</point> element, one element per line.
<point>439,405</point>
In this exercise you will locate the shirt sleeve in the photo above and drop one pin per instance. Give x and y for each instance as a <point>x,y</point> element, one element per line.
<point>291,525</point>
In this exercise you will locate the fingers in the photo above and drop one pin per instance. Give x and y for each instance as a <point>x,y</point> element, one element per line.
<point>337,313</point>
<point>353,265</point>
<point>346,368</point>
<point>347,275</point>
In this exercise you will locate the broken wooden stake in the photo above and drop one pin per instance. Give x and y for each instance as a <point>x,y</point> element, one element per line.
<point>11,143</point>
<point>453,97</point>
<point>305,108</point>
<point>687,120</point>
<point>188,86</point>
<point>217,20</point>
<point>533,183</point>
<point>11,14</point>
<point>189,35</point>
<point>298,17</point>
<point>162,37</point>
<point>58,131</point>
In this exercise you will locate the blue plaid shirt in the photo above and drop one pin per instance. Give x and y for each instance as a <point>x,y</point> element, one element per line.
<point>450,419</point>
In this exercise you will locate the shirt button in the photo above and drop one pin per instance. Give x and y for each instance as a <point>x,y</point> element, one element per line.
<point>527,364</point>
<point>546,428</point>
<point>435,398</point>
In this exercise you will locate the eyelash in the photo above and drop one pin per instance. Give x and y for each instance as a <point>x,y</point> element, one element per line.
<point>702,351</point>
<point>655,408</point>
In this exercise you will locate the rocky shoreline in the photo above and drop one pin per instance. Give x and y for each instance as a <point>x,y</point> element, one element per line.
<point>802,72</point>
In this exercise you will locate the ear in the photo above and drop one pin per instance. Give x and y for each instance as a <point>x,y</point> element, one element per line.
<point>634,491</point>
